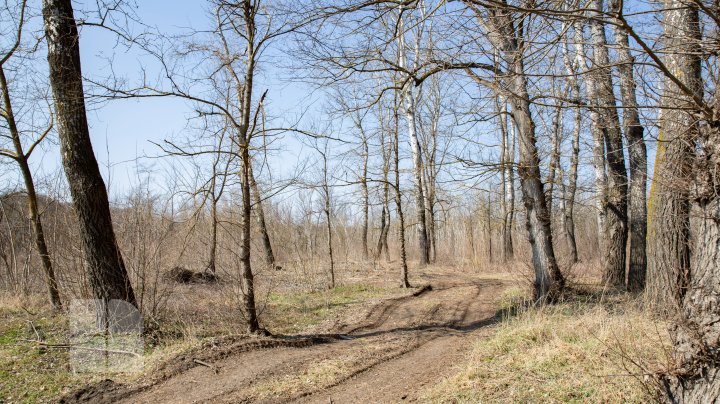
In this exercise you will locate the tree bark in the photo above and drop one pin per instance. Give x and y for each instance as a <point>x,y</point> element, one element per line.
<point>408,105</point>
<point>507,176</point>
<point>365,196</point>
<point>262,225</point>
<point>106,269</point>
<point>571,188</point>
<point>404,282</point>
<point>638,159</point>
<point>607,128</point>
<point>668,246</point>
<point>676,274</point>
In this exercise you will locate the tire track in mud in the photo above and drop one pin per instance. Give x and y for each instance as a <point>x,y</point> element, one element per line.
<point>409,331</point>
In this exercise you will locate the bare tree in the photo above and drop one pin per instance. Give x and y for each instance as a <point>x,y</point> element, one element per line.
<point>409,106</point>
<point>21,157</point>
<point>507,38</point>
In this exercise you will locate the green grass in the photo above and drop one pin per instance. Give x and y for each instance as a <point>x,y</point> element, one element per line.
<point>289,313</point>
<point>30,373</point>
<point>579,351</point>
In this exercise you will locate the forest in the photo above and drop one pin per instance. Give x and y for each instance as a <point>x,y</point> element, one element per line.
<point>359,201</point>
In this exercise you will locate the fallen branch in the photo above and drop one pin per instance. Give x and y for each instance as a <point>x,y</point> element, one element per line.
<point>199,362</point>
<point>86,348</point>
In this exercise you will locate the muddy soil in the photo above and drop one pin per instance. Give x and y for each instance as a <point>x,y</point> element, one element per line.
<point>389,352</point>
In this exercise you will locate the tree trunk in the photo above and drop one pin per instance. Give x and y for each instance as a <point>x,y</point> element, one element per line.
<point>607,128</point>
<point>248,280</point>
<point>668,247</point>
<point>34,212</point>
<point>365,198</point>
<point>549,282</point>
<point>696,336</point>
<point>106,269</point>
<point>638,159</point>
<point>326,191</point>
<point>408,104</point>
<point>571,188</point>
<point>260,216</point>
<point>507,175</point>
<point>404,282</point>
<point>554,164</point>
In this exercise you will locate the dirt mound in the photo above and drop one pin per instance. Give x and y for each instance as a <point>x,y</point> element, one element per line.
<point>184,275</point>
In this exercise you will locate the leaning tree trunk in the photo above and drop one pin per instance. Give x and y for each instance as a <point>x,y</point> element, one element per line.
<point>549,282</point>
<point>638,159</point>
<point>22,159</point>
<point>607,127</point>
<point>262,225</point>
<point>106,270</point>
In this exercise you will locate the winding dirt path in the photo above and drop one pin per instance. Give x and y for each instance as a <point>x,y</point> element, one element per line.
<point>386,353</point>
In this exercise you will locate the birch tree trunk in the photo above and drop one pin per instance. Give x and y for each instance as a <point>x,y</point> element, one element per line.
<point>106,270</point>
<point>408,107</point>
<point>507,176</point>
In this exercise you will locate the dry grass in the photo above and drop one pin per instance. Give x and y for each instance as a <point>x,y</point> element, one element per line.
<point>593,348</point>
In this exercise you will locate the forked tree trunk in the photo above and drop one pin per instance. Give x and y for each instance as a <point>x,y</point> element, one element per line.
<point>106,269</point>
<point>606,129</point>
<point>382,245</point>
<point>638,159</point>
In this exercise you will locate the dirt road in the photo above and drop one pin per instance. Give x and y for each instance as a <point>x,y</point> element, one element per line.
<point>386,353</point>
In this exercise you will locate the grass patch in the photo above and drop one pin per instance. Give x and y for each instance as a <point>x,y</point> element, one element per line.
<point>583,350</point>
<point>289,313</point>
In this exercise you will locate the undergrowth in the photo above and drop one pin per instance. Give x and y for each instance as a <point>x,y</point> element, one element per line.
<point>591,348</point>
